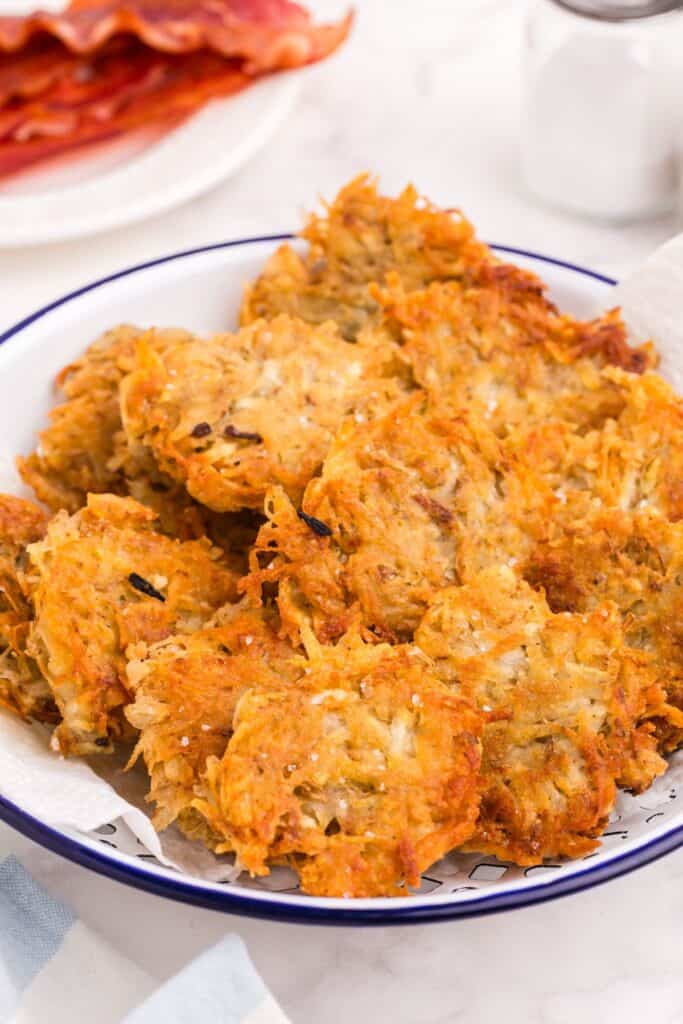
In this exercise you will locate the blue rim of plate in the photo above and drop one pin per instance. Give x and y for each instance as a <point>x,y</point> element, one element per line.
<point>302,911</point>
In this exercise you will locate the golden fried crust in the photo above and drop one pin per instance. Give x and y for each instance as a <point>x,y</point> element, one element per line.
<point>21,523</point>
<point>22,688</point>
<point>90,605</point>
<point>186,690</point>
<point>232,415</point>
<point>501,349</point>
<point>634,462</point>
<point>386,496</point>
<point>84,450</point>
<point>566,700</point>
<point>361,237</point>
<point>305,569</point>
<point>360,775</point>
<point>636,561</point>
<point>411,502</point>
<point>76,450</point>
<point>74,453</point>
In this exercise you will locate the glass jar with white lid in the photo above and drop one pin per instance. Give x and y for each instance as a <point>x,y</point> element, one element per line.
<point>603,105</point>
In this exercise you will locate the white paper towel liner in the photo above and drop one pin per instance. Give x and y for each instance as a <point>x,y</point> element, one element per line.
<point>651,299</point>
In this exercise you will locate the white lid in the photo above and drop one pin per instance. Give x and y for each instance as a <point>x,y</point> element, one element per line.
<point>620,10</point>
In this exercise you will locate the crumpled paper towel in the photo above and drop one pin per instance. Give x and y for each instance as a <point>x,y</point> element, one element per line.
<point>69,794</point>
<point>652,302</point>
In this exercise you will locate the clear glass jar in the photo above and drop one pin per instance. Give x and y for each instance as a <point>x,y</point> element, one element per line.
<point>603,105</point>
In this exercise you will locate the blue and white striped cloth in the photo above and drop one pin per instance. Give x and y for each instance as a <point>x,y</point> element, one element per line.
<point>53,968</point>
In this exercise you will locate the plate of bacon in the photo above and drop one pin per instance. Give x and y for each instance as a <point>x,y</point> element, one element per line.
<point>113,112</point>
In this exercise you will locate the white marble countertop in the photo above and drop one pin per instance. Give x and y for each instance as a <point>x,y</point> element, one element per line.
<point>427,92</point>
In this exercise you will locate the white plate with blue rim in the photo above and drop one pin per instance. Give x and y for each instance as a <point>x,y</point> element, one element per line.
<point>164,292</point>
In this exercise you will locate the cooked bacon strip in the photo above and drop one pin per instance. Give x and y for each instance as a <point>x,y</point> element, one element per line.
<point>186,84</point>
<point>29,73</point>
<point>264,34</point>
<point>92,88</point>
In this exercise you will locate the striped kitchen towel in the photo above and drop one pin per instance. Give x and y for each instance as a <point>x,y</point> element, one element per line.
<point>53,968</point>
